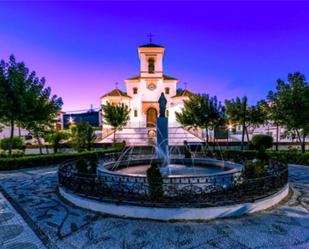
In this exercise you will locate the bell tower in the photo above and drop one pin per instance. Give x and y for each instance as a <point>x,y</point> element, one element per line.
<point>151,60</point>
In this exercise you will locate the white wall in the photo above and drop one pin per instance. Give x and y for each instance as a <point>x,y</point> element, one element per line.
<point>7,131</point>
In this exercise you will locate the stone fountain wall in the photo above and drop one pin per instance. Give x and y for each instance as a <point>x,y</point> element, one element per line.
<point>172,185</point>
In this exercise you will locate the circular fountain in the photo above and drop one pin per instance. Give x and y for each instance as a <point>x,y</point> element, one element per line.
<point>181,175</point>
<point>186,185</point>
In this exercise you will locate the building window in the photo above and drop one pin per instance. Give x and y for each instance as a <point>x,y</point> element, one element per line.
<point>135,90</point>
<point>151,65</point>
<point>167,90</point>
<point>167,113</point>
<point>135,113</point>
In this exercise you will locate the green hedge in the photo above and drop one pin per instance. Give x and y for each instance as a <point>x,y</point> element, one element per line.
<point>44,160</point>
<point>292,157</point>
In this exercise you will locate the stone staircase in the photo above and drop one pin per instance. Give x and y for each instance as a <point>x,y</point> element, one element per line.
<point>139,136</point>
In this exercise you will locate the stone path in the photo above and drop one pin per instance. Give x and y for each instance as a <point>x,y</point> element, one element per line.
<point>61,225</point>
<point>15,233</point>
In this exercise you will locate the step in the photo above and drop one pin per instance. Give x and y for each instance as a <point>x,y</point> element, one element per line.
<point>139,136</point>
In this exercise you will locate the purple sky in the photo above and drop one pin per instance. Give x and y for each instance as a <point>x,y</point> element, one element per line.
<point>226,49</point>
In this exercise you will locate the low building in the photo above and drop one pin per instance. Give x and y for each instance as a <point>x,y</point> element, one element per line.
<point>91,116</point>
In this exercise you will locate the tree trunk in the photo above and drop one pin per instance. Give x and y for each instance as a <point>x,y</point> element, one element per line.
<point>47,151</point>
<point>243,136</point>
<point>303,145</point>
<point>55,148</point>
<point>277,136</point>
<point>11,137</point>
<point>40,145</point>
<point>302,142</point>
<point>89,145</point>
<point>207,137</point>
<point>248,139</point>
<point>114,139</point>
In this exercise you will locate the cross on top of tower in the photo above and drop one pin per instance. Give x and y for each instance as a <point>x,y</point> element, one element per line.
<point>185,84</point>
<point>116,85</point>
<point>150,35</point>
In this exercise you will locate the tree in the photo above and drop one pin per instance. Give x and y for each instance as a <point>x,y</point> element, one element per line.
<point>237,112</point>
<point>274,113</point>
<point>83,136</point>
<point>257,115</point>
<point>240,113</point>
<point>56,137</point>
<point>201,111</point>
<point>43,111</point>
<point>292,100</point>
<point>24,99</point>
<point>116,116</point>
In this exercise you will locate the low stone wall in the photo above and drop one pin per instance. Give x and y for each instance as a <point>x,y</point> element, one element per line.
<point>176,213</point>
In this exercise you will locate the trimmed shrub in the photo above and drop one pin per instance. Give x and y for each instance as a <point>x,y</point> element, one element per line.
<point>15,153</point>
<point>93,160</point>
<point>18,143</point>
<point>155,181</point>
<point>81,166</point>
<point>262,142</point>
<point>255,169</point>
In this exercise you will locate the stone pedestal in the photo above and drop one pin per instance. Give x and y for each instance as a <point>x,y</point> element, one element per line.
<point>162,138</point>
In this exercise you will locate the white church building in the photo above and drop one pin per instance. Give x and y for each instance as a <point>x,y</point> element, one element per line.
<point>141,96</point>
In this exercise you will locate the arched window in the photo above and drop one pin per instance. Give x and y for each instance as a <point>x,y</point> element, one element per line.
<point>167,90</point>
<point>135,90</point>
<point>151,65</point>
<point>135,113</point>
<point>167,113</point>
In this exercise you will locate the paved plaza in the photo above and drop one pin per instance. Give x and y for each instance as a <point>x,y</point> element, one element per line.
<point>42,217</point>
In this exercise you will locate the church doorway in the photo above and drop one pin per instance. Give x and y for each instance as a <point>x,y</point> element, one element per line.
<point>151,117</point>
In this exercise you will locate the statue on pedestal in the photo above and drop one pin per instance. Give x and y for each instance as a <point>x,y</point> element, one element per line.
<point>162,105</point>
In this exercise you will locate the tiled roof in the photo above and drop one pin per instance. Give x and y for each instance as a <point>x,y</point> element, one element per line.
<point>137,77</point>
<point>165,77</point>
<point>184,93</point>
<point>116,93</point>
<point>151,45</point>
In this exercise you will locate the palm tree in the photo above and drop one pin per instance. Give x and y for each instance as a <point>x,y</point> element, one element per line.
<point>116,116</point>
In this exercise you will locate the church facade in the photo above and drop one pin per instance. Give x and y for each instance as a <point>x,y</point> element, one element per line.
<point>143,91</point>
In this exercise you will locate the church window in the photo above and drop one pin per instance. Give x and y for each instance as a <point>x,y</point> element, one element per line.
<point>135,90</point>
<point>167,90</point>
<point>152,86</point>
<point>135,113</point>
<point>166,113</point>
<point>151,65</point>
